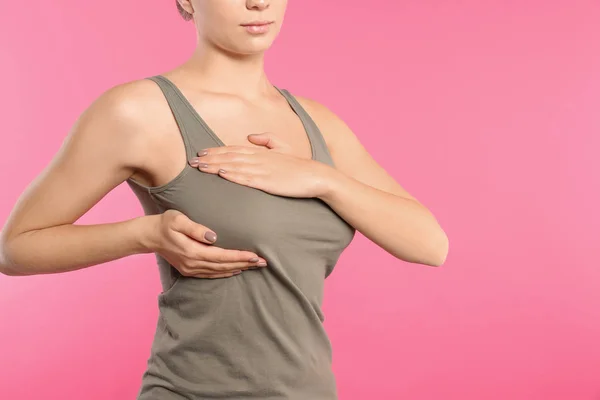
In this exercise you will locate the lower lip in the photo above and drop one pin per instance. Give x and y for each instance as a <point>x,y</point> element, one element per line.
<point>257,29</point>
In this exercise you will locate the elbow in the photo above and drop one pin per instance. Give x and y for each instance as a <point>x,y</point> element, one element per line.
<point>8,272</point>
<point>430,252</point>
<point>4,269</point>
<point>7,267</point>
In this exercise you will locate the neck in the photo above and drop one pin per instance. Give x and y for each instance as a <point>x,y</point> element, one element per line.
<point>216,70</point>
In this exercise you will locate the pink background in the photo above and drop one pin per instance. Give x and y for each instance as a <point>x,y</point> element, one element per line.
<point>487,111</point>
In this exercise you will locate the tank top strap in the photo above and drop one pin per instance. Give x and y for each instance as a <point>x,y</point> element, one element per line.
<point>321,151</point>
<point>185,122</point>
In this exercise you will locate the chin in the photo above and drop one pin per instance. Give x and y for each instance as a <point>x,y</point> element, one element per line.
<point>252,47</point>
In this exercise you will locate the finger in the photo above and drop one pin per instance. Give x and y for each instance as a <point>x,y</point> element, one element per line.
<point>227,156</point>
<point>239,178</point>
<point>220,154</point>
<point>213,162</point>
<point>221,275</point>
<point>209,151</point>
<point>196,231</point>
<point>220,255</point>
<point>240,168</point>
<point>267,139</point>
<point>210,267</point>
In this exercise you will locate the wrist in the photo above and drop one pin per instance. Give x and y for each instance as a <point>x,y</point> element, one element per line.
<point>145,231</point>
<point>327,182</point>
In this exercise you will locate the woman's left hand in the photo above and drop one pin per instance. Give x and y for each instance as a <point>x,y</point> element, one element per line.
<point>271,168</point>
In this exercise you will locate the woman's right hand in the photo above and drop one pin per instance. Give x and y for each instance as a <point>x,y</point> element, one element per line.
<point>182,242</point>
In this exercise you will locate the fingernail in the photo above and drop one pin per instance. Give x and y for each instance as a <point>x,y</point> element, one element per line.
<point>194,160</point>
<point>210,236</point>
<point>237,272</point>
<point>254,259</point>
<point>222,171</point>
<point>262,264</point>
<point>203,165</point>
<point>203,153</point>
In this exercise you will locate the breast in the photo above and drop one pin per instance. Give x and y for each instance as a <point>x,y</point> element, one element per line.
<point>246,218</point>
<point>301,239</point>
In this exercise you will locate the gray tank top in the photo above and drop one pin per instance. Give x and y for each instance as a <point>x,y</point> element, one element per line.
<point>259,334</point>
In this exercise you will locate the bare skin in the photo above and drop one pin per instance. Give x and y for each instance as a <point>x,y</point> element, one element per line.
<point>120,133</point>
<point>129,132</point>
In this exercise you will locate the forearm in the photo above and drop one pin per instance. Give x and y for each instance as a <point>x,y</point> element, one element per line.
<point>70,247</point>
<point>399,225</point>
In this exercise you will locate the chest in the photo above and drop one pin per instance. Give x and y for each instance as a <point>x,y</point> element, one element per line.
<point>249,219</point>
<point>232,120</point>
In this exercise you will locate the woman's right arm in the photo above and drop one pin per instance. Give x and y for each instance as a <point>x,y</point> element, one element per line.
<point>116,136</point>
<point>103,149</point>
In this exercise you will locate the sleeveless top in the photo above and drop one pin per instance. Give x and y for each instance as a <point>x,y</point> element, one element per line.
<point>258,334</point>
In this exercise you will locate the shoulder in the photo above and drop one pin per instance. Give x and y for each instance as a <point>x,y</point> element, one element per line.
<point>343,144</point>
<point>348,153</point>
<point>128,104</point>
<point>333,128</point>
<point>126,115</point>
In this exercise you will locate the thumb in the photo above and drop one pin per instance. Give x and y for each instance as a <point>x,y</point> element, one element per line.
<point>196,231</point>
<point>266,139</point>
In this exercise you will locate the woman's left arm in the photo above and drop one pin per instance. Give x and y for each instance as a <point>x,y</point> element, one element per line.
<point>368,198</point>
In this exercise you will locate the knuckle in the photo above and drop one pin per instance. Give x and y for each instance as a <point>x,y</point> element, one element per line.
<point>228,156</point>
<point>193,255</point>
<point>243,256</point>
<point>184,270</point>
<point>220,257</point>
<point>221,268</point>
<point>177,220</point>
<point>187,254</point>
<point>184,263</point>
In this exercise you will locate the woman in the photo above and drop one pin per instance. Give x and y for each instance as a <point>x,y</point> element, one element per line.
<point>239,180</point>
